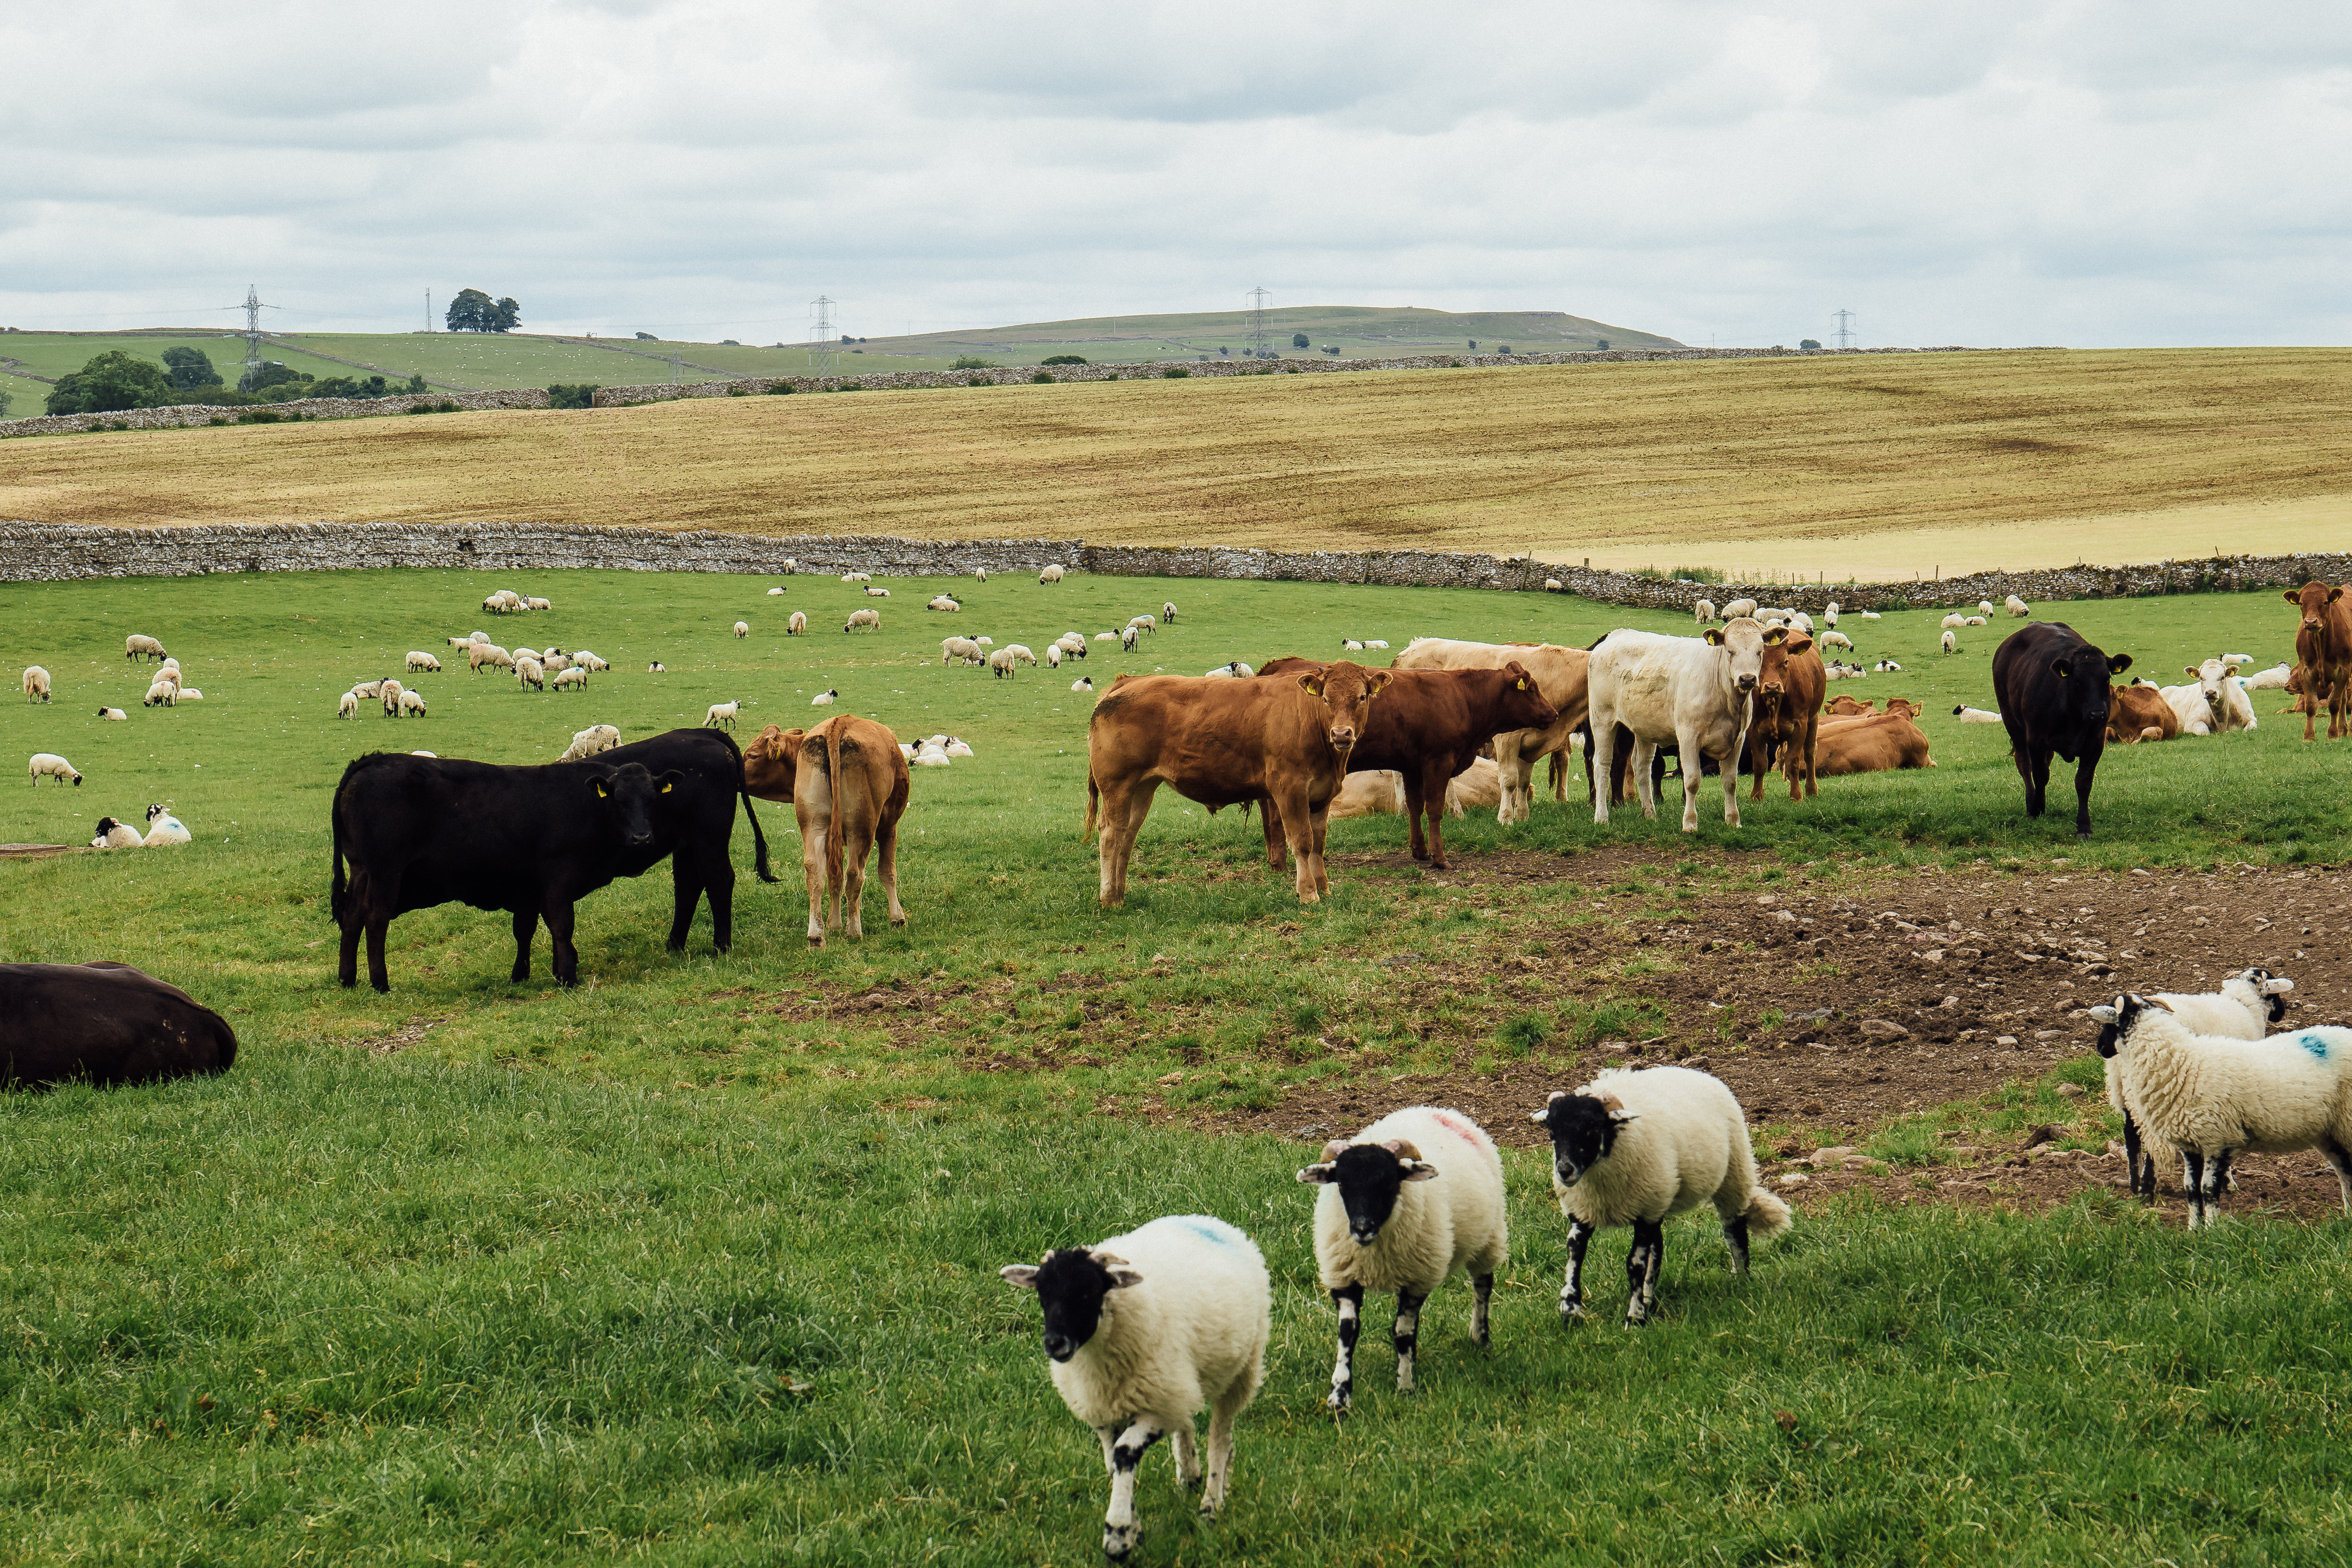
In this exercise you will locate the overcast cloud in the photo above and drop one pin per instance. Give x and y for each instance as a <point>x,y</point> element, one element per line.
<point>2081,172</point>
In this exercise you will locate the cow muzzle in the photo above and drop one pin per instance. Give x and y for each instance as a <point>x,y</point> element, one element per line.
<point>1744,683</point>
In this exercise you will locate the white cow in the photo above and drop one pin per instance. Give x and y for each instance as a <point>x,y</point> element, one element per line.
<point>1560,675</point>
<point>2188,705</point>
<point>2225,694</point>
<point>1694,692</point>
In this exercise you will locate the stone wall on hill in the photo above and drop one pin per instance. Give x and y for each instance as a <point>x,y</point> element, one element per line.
<point>182,415</point>
<point>35,551</point>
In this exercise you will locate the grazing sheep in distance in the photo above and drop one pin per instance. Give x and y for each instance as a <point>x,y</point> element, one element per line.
<point>1954,621</point>
<point>1554,585</point>
<point>1020,653</point>
<point>413,703</point>
<point>1737,608</point>
<point>796,626</point>
<point>142,648</point>
<point>1967,715</point>
<point>2016,606</point>
<point>2248,1004</point>
<point>572,681</point>
<point>388,693</point>
<point>1703,611</point>
<point>960,650</point>
<point>113,715</point>
<point>477,637</point>
<point>1050,574</point>
<point>1951,642</point>
<point>482,655</point>
<point>870,620</point>
<point>1000,663</point>
<point>164,828</point>
<point>349,707</point>
<point>824,698</point>
<point>114,834</point>
<point>586,743</point>
<point>538,604</point>
<point>1407,1203</point>
<point>162,693</point>
<point>36,684</point>
<point>1984,607</point>
<point>1054,656</point>
<point>1127,637</point>
<point>590,662</point>
<point>1835,639</point>
<point>419,659</point>
<point>458,642</point>
<point>528,672</point>
<point>742,628</point>
<point>979,574</point>
<point>1145,623</point>
<point>1168,612</point>
<point>48,765</point>
<point>722,714</point>
<point>1637,1148</point>
<point>1188,1329</point>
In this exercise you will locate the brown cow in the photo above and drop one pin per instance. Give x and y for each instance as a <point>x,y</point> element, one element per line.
<point>1845,707</point>
<point>1286,740</point>
<point>847,783</point>
<point>1788,714</point>
<point>1559,674</point>
<point>2323,644</point>
<point>1877,744</point>
<point>2134,710</point>
<point>1429,726</point>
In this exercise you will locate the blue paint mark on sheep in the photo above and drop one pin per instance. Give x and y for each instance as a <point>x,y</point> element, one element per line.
<point>1215,1230</point>
<point>2314,1044</point>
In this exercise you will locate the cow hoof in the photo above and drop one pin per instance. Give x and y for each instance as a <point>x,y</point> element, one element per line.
<point>815,942</point>
<point>1439,865</point>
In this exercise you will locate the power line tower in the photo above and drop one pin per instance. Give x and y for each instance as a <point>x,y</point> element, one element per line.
<point>253,307</point>
<point>1845,321</point>
<point>822,341</point>
<point>1257,323</point>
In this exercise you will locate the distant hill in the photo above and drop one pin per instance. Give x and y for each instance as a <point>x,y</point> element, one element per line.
<point>1356,331</point>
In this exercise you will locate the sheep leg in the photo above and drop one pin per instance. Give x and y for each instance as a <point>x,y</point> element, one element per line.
<point>2192,1187</point>
<point>526,926</point>
<point>1641,1267</point>
<point>1571,1290</point>
<point>1349,1300</point>
<point>2217,1181</point>
<point>1119,1529</point>
<point>1188,1456</point>
<point>2133,1164</point>
<point>1221,1414</point>
<point>1482,1300</point>
<point>1735,1235</point>
<point>2340,1157</point>
<point>1406,1333</point>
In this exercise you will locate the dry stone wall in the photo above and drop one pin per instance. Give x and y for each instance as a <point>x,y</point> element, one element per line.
<point>180,416</point>
<point>36,551</point>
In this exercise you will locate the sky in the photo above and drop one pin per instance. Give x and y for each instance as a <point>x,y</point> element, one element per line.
<point>2090,172</point>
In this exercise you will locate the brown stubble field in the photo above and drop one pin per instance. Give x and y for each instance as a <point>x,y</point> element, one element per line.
<point>1670,458</point>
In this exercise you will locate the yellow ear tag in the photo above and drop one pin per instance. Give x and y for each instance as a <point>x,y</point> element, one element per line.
<point>601,791</point>
<point>667,787</point>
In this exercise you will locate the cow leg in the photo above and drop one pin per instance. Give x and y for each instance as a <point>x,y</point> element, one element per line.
<point>1413,803</point>
<point>857,845</point>
<point>1270,819</point>
<point>1431,792</point>
<point>1298,826</point>
<point>1812,772</point>
<point>1124,809</point>
<point>1322,837</point>
<point>378,977</point>
<point>813,830</point>
<point>1645,788</point>
<point>526,926</point>
<point>686,891</point>
<point>1600,763</point>
<point>2083,772</point>
<point>718,881</point>
<point>1517,775</point>
<point>886,839</point>
<point>558,936</point>
<point>347,970</point>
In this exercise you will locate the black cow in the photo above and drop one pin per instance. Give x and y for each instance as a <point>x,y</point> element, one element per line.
<point>2051,689</point>
<point>420,831</point>
<point>105,1022</point>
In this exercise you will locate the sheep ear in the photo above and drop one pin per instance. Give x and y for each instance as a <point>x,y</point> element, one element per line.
<point>1312,1174</point>
<point>1420,1171</point>
<point>1122,1277</point>
<point>1621,1117</point>
<point>2277,986</point>
<point>1021,1275</point>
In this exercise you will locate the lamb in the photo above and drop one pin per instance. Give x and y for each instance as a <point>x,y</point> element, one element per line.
<point>164,828</point>
<point>1145,1331</point>
<point>586,743</point>
<point>1984,607</point>
<point>1349,645</point>
<point>1737,608</point>
<point>48,765</point>
<point>869,619</point>
<point>1000,663</point>
<point>2211,1096</point>
<point>413,702</point>
<point>1870,614</point>
<point>722,714</point>
<point>1836,639</point>
<point>942,601</point>
<point>2248,1004</point>
<point>1050,574</point>
<point>878,592</point>
<point>113,835</point>
<point>574,680</point>
<point>824,698</point>
<point>1083,683</point>
<point>162,693</point>
<point>656,667</point>
<point>857,576</point>
<point>556,660</point>
<point>957,748</point>
<point>113,715</point>
<point>458,642</point>
<point>1168,611</point>
<point>979,574</point>
<point>495,604</point>
<point>1072,643</point>
<point>1019,653</point>
<point>348,707</point>
<point>419,659</point>
<point>170,670</point>
<point>191,694</point>
<point>1106,636</point>
<point>529,672</point>
<point>1976,620</point>
<point>1954,621</point>
<point>1635,1147</point>
<point>930,755</point>
<point>477,637</point>
<point>2015,606</point>
<point>797,625</point>
<point>389,694</point>
<point>368,690</point>
<point>2271,679</point>
<point>1951,642</point>
<point>36,684</point>
<point>538,604</point>
<point>742,628</point>
<point>142,648</point>
<point>1833,610</point>
<point>1054,656</point>
<point>1390,1218</point>
<point>775,592</point>
<point>1967,715</point>
<point>1702,611</point>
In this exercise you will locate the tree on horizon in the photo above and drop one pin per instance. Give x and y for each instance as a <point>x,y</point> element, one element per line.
<point>475,312</point>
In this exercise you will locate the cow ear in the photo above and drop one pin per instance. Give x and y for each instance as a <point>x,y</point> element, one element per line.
<point>2120,663</point>
<point>602,784</point>
<point>1311,684</point>
<point>1778,634</point>
<point>2063,667</point>
<point>1802,642</point>
<point>1021,1275</point>
<point>1380,682</point>
<point>671,780</point>
<point>2292,596</point>
<point>1713,635</point>
<point>2334,595</point>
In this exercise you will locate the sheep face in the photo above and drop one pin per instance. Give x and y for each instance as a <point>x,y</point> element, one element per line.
<point>2116,1018</point>
<point>1583,1130</point>
<point>2269,989</point>
<point>1368,1176</point>
<point>1071,1284</point>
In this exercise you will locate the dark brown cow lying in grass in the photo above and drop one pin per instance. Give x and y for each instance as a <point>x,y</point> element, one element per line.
<point>105,1022</point>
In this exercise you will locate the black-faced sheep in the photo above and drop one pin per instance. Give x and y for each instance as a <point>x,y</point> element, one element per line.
<point>114,834</point>
<point>142,648</point>
<point>2246,1007</point>
<point>49,765</point>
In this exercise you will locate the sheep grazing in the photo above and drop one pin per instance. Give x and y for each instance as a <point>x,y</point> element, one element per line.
<point>656,667</point>
<point>113,715</point>
<point>477,637</point>
<point>574,680</point>
<point>742,628</point>
<point>49,765</point>
<point>941,602</point>
<point>389,694</point>
<point>484,655</point>
<point>456,642</point>
<point>1168,612</point>
<point>419,659</point>
<point>164,828</point>
<point>1000,663</point>
<point>36,684</point>
<point>586,743</point>
<point>412,704</point>
<point>796,626</point>
<point>722,715</point>
<point>1702,611</point>
<point>1967,715</point>
<point>1145,623</point>
<point>1054,656</point>
<point>1955,622</point>
<point>960,650</point>
<point>538,604</point>
<point>1071,642</point>
<point>2245,1008</point>
<point>1984,607</point>
<point>878,592</point>
<point>162,694</point>
<point>1022,654</point>
<point>1951,642</point>
<point>349,706</point>
<point>1835,639</point>
<point>824,698</point>
<point>1635,1147</point>
<point>529,672</point>
<point>1736,609</point>
<point>1554,585</point>
<point>1144,1331</point>
<point>142,648</point>
<point>1126,639</point>
<point>867,620</point>
<point>2015,606</point>
<point>1083,683</point>
<point>2211,1096</point>
<point>1050,574</point>
<point>1407,1203</point>
<point>114,834</point>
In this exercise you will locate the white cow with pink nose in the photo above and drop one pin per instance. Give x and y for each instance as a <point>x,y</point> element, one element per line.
<point>1697,693</point>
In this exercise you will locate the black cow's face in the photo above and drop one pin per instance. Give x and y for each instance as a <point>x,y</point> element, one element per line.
<point>1368,1176</point>
<point>2082,678</point>
<point>629,792</point>
<point>1584,1128</point>
<point>1071,1285</point>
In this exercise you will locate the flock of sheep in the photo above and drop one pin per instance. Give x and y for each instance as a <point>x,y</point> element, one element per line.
<point>166,687</point>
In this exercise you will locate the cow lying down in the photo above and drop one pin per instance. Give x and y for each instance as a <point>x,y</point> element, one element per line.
<point>1380,792</point>
<point>105,1022</point>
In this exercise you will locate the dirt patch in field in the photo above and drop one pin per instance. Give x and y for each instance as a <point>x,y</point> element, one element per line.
<point>1832,1007</point>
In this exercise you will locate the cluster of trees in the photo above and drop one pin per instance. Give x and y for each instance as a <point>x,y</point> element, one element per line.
<point>475,312</point>
<point>117,380</point>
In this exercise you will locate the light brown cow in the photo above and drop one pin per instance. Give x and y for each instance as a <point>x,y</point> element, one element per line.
<point>847,783</point>
<point>1221,743</point>
<point>2323,644</point>
<point>1381,792</point>
<point>1880,743</point>
<point>1788,714</point>
<point>1845,707</point>
<point>2134,710</point>
<point>1559,674</point>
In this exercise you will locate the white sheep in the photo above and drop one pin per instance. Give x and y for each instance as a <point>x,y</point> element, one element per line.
<point>389,694</point>
<point>1071,642</point>
<point>419,659</point>
<point>484,655</point>
<point>957,748</point>
<point>162,693</point>
<point>190,694</point>
<point>48,765</point>
<point>1236,671</point>
<point>1554,585</point>
<point>960,650</point>
<point>1870,614</point>
<point>529,672</point>
<point>114,715</point>
<point>1832,610</point>
<point>477,637</point>
<point>1737,608</point>
<point>1145,622</point>
<point>1887,667</point>
<point>1702,611</point>
<point>927,755</point>
<point>586,743</point>
<point>878,592</point>
<point>164,828</point>
<point>2271,680</point>
<point>114,834</point>
<point>1349,645</point>
<point>1145,1331</point>
<point>1976,620</point>
<point>574,680</point>
<point>1407,1203</point>
<point>1050,574</point>
<point>538,604</point>
<point>2015,606</point>
<point>36,684</point>
<point>1951,642</point>
<point>1835,639</point>
<point>2211,1096</point>
<point>1126,639</point>
<point>2244,1008</point>
<point>349,706</point>
<point>458,642</point>
<point>1000,663</point>
<point>142,648</point>
<point>412,704</point>
<point>871,620</point>
<point>656,667</point>
<point>556,660</point>
<point>2237,660</point>
<point>742,628</point>
<point>797,625</point>
<point>942,601</point>
<point>775,592</point>
<point>1376,642</point>
<point>1022,654</point>
<point>824,698</point>
<point>170,670</point>
<point>1967,715</point>
<point>1984,607</point>
<point>857,576</point>
<point>722,714</point>
<point>1637,1148</point>
<point>1168,612</point>
<point>1803,620</point>
<point>1955,622</point>
<point>1106,636</point>
<point>368,690</point>
<point>1083,683</point>
<point>1054,656</point>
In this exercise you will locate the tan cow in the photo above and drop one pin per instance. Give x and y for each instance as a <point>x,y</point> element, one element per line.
<point>847,783</point>
<point>1381,792</point>
<point>1845,707</point>
<point>1788,715</point>
<point>1221,743</point>
<point>2136,713</point>
<point>1559,675</point>
<point>1880,743</point>
<point>2323,644</point>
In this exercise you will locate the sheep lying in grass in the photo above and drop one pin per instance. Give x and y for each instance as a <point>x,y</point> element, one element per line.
<point>1967,715</point>
<point>2248,1004</point>
<point>1147,1329</point>
<point>164,828</point>
<point>114,834</point>
<point>1407,1203</point>
<point>2211,1096</point>
<point>114,715</point>
<point>1634,1148</point>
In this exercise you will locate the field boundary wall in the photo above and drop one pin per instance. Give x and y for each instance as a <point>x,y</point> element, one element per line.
<point>182,415</point>
<point>47,553</point>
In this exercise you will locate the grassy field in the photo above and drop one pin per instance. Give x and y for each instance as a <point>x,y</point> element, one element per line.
<point>695,1262</point>
<point>1885,469</point>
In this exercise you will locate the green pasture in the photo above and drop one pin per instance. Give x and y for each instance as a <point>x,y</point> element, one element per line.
<point>696,1261</point>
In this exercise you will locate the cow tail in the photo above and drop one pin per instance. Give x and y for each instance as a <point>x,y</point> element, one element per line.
<point>832,856</point>
<point>1094,804</point>
<point>339,888</point>
<point>743,787</point>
